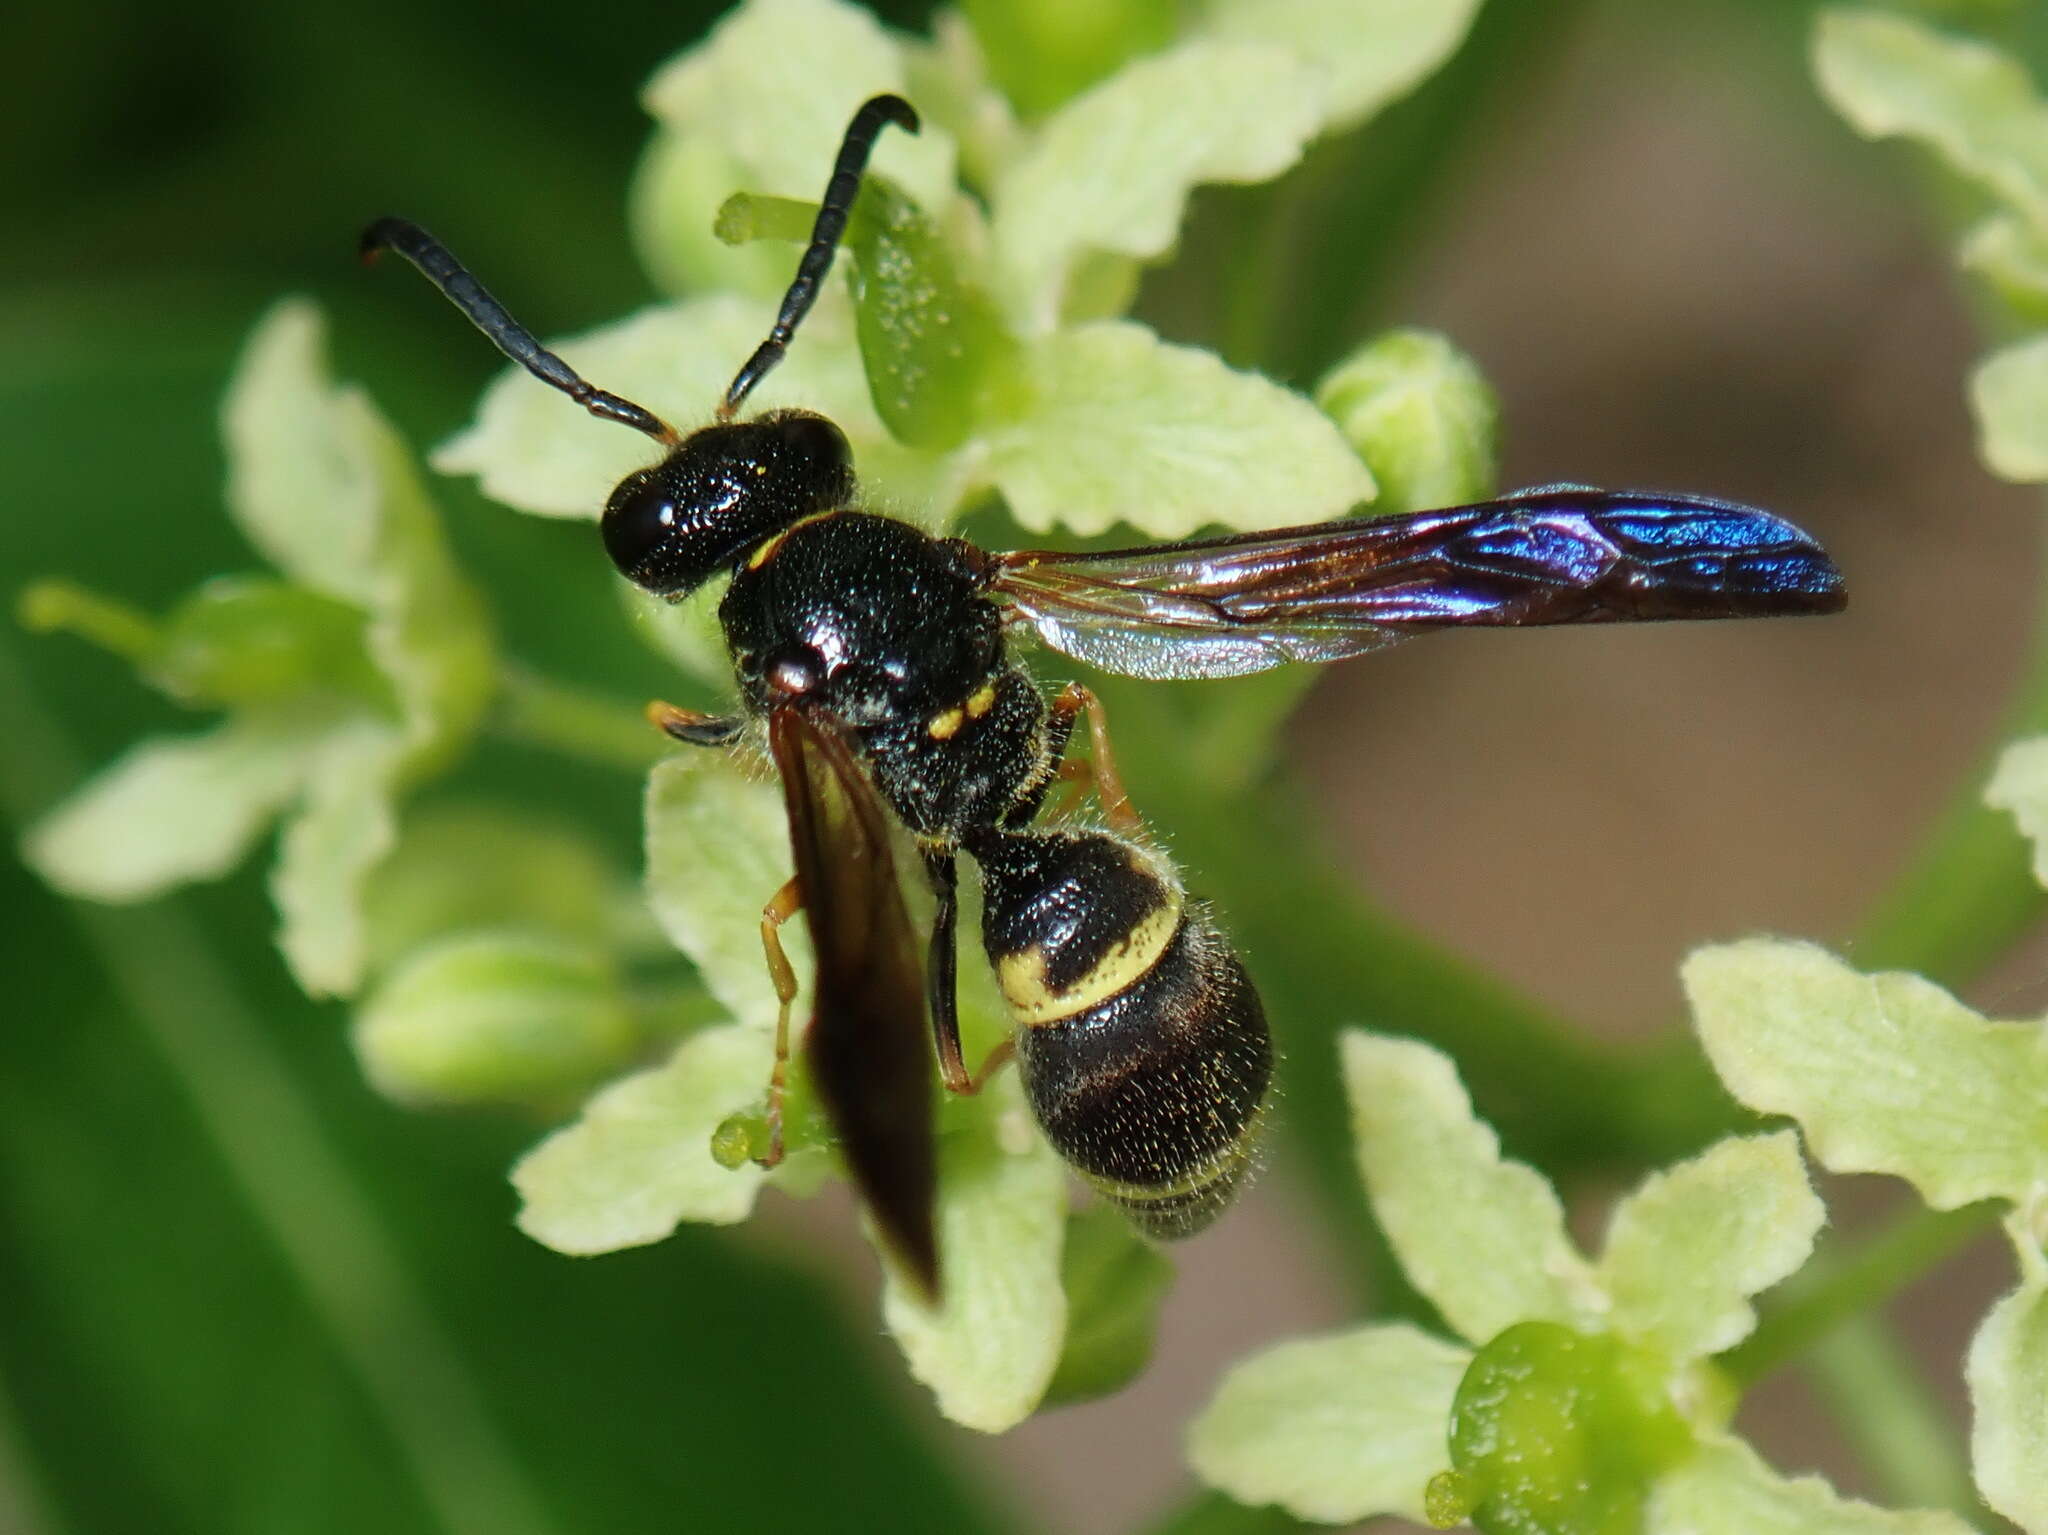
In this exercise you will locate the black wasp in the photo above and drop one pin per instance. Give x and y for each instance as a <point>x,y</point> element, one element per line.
<point>878,659</point>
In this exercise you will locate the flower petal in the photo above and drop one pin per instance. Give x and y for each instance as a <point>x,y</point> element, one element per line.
<point>1334,1429</point>
<point>1112,170</point>
<point>717,850</point>
<point>2020,787</point>
<point>1974,105</point>
<point>989,1349</point>
<point>1369,52</point>
<point>2009,398</point>
<point>427,630</point>
<point>1482,1237</point>
<point>639,1160</point>
<point>299,486</point>
<point>1726,1487</point>
<point>2007,1371</point>
<point>1686,1249</point>
<point>172,810</point>
<point>1127,427</point>
<point>1885,1073</point>
<point>775,85</point>
<point>346,825</point>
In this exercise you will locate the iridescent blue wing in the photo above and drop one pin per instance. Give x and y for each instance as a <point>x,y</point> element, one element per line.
<point>1221,607</point>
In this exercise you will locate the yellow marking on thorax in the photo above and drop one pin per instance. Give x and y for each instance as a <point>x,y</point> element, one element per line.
<point>1022,975</point>
<point>946,724</point>
<point>766,552</point>
<point>981,700</point>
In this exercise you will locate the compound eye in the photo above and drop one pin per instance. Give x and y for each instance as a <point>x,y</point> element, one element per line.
<point>639,519</point>
<point>823,448</point>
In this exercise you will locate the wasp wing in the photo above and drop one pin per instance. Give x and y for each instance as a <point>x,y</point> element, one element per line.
<point>1222,607</point>
<point>867,1046</point>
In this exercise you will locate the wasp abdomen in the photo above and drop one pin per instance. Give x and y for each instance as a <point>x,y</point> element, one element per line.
<point>1144,1049</point>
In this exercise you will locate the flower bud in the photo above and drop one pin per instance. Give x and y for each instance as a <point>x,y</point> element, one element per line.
<point>495,1018</point>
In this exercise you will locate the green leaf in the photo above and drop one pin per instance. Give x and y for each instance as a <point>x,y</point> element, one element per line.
<point>1420,414</point>
<point>2009,397</point>
<point>2007,1371</point>
<point>173,810</point>
<point>1482,1237</point>
<point>1555,1430</point>
<point>639,1160</point>
<point>531,448</point>
<point>346,825</point>
<point>546,876</point>
<point>988,1351</point>
<point>1368,52</point>
<point>1128,428</point>
<point>496,1018</point>
<point>717,852</point>
<point>774,87</point>
<point>1115,1282</point>
<point>1112,170</point>
<point>1687,1248</point>
<point>1892,76</point>
<point>1725,1487</point>
<point>1336,1428</point>
<point>1885,1073</point>
<point>1045,52</point>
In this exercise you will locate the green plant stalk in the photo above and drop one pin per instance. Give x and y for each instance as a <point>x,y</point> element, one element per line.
<point>1834,1290</point>
<point>158,962</point>
<point>1912,1452</point>
<point>538,711</point>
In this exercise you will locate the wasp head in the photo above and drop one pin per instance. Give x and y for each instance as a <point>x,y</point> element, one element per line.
<point>721,493</point>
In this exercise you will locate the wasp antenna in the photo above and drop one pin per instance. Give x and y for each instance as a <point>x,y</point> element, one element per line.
<point>875,114</point>
<point>440,267</point>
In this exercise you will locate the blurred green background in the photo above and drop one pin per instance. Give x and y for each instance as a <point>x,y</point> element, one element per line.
<point>240,1292</point>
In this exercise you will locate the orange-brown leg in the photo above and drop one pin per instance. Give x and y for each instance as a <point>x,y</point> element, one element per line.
<point>691,726</point>
<point>1109,784</point>
<point>788,901</point>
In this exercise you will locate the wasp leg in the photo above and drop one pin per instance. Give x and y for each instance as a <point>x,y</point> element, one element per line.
<point>1109,784</point>
<point>788,901</point>
<point>690,726</point>
<point>941,983</point>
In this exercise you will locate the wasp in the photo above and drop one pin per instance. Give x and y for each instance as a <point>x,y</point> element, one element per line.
<point>879,663</point>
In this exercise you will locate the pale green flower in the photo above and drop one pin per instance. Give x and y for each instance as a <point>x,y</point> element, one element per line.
<point>1581,1396</point>
<point>1976,108</point>
<point>364,669</point>
<point>996,366</point>
<point>1890,1074</point>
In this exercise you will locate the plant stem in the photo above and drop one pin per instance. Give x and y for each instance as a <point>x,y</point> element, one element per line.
<point>1907,1442</point>
<point>558,717</point>
<point>1830,1292</point>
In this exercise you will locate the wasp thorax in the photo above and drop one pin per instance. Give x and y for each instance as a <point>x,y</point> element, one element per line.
<point>723,491</point>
